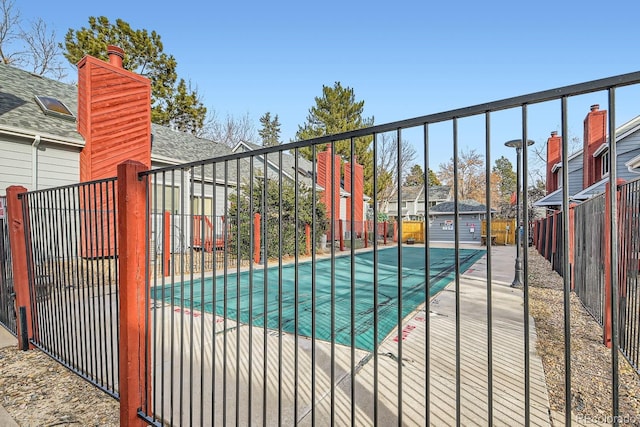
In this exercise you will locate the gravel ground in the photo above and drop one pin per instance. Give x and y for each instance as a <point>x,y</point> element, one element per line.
<point>591,367</point>
<point>37,391</point>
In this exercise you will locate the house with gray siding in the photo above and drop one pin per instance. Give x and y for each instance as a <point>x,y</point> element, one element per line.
<point>588,168</point>
<point>442,221</point>
<point>412,206</point>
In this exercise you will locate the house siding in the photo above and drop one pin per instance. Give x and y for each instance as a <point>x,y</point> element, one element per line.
<point>465,224</point>
<point>15,165</point>
<point>58,166</point>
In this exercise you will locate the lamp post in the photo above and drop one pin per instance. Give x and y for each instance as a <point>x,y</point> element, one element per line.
<point>517,144</point>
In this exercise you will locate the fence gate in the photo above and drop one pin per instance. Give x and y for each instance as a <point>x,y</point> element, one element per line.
<point>7,296</point>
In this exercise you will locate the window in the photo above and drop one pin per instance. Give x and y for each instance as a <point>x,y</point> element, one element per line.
<point>54,107</point>
<point>171,200</point>
<point>604,164</point>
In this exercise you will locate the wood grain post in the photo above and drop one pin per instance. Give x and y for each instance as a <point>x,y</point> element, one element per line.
<point>134,375</point>
<point>20,265</point>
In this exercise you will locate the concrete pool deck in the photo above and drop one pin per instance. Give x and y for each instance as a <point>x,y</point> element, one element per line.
<point>354,374</point>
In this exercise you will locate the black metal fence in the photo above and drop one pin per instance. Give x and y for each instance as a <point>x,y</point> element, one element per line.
<point>628,238</point>
<point>7,295</point>
<point>73,277</point>
<point>272,336</point>
<point>590,255</point>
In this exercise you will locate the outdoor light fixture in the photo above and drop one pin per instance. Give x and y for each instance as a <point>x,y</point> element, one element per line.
<point>517,144</point>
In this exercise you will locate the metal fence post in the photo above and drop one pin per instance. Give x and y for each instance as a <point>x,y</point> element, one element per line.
<point>134,372</point>
<point>18,243</point>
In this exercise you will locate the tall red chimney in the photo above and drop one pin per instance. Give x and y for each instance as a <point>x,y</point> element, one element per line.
<point>116,55</point>
<point>554,156</point>
<point>595,134</point>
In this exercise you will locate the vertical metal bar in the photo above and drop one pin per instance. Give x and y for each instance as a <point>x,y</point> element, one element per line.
<point>76,194</point>
<point>214,286</point>
<point>265,287</point>
<point>116,297</point>
<point>280,272</point>
<point>92,263</point>
<point>148,374</point>
<point>252,243</point>
<point>332,206</point>
<point>202,291</point>
<point>400,266</point>
<point>456,212</point>
<point>488,233</point>
<point>152,208</point>
<point>190,196</point>
<point>376,390</point>
<point>102,295</point>
<point>427,281</point>
<point>182,284</point>
<point>613,227</point>
<point>352,264</point>
<point>238,259</point>
<point>314,155</point>
<point>524,243</point>
<point>69,285</point>
<point>225,302</point>
<point>172,327</point>
<point>86,272</point>
<point>296,276</point>
<point>567,284</point>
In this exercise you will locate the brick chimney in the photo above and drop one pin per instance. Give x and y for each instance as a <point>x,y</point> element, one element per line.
<point>554,156</point>
<point>324,179</point>
<point>114,115</point>
<point>595,134</point>
<point>357,194</point>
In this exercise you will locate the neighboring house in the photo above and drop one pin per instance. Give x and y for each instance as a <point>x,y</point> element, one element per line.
<point>470,216</point>
<point>54,134</point>
<point>413,201</point>
<point>588,168</point>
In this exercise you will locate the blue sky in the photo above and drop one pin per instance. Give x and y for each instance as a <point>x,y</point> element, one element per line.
<point>405,59</point>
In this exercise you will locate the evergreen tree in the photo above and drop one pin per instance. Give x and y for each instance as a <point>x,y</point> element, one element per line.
<point>172,104</point>
<point>338,111</point>
<point>415,177</point>
<point>433,178</point>
<point>270,131</point>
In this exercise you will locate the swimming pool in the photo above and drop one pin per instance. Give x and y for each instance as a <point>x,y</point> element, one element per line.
<point>309,299</point>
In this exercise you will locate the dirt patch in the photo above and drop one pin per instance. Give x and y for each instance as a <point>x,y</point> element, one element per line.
<point>591,368</point>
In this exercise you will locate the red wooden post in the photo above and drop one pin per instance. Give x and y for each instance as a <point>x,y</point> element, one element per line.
<point>134,380</point>
<point>366,237</point>
<point>395,231</point>
<point>341,235</point>
<point>307,235</point>
<point>166,243</point>
<point>256,238</point>
<point>18,245</point>
<point>572,242</point>
<point>385,228</point>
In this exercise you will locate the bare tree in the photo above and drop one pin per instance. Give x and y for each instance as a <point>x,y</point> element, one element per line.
<point>387,164</point>
<point>230,130</point>
<point>471,175</point>
<point>9,31</point>
<point>44,53</point>
<point>34,49</point>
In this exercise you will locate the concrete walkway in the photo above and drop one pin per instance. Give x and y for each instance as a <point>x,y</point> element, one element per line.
<point>7,340</point>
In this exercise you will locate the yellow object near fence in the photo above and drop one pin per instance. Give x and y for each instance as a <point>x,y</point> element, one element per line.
<point>503,231</point>
<point>413,230</point>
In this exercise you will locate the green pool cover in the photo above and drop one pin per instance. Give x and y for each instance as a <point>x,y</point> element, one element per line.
<point>282,309</point>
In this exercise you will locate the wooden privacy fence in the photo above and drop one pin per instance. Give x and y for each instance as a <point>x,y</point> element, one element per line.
<point>413,230</point>
<point>503,231</point>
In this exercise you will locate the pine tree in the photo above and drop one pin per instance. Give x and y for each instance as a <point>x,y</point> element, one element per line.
<point>172,104</point>
<point>337,111</point>
<point>270,131</point>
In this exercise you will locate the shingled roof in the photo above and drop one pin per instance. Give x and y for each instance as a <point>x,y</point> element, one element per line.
<point>464,206</point>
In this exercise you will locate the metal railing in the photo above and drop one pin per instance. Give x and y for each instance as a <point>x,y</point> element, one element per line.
<point>225,350</point>
<point>73,277</point>
<point>7,294</point>
<point>629,248</point>
<point>590,256</point>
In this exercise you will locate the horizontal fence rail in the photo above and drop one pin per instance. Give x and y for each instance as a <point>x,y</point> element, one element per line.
<point>72,247</point>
